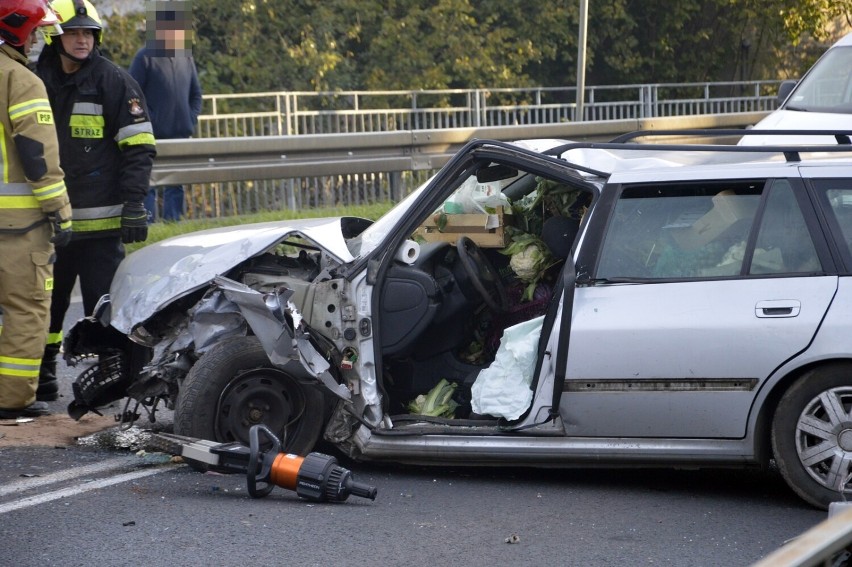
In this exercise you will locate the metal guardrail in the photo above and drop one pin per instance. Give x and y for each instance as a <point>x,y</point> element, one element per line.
<point>828,544</point>
<point>232,176</point>
<point>218,160</point>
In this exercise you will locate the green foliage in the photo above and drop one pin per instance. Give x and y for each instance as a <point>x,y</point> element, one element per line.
<point>123,37</point>
<point>272,45</point>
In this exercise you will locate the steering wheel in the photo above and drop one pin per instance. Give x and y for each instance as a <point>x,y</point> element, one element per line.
<point>483,275</point>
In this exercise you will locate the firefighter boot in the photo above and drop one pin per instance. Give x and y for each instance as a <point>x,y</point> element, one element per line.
<point>48,387</point>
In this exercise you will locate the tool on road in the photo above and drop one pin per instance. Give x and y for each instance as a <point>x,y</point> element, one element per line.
<point>316,477</point>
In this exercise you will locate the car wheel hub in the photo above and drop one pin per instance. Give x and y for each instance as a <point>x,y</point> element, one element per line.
<point>845,440</point>
<point>259,396</point>
<point>824,438</point>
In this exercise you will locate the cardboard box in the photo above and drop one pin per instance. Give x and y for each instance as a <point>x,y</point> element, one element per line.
<point>486,230</point>
<point>728,208</point>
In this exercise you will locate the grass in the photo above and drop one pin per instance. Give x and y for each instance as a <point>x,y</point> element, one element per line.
<point>162,230</point>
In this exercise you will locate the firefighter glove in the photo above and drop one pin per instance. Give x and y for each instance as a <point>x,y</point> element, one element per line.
<point>134,223</point>
<point>61,230</point>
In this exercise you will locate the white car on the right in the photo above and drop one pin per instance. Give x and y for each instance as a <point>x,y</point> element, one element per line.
<point>821,100</point>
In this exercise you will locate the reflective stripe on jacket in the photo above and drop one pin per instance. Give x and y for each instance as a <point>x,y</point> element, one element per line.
<point>106,139</point>
<point>28,123</point>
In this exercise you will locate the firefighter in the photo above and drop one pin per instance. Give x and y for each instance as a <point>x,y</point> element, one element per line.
<point>35,213</point>
<point>107,149</point>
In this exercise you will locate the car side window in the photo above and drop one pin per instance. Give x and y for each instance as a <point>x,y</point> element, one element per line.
<point>680,231</point>
<point>783,244</point>
<point>838,195</point>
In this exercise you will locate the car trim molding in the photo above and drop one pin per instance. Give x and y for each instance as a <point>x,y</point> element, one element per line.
<point>662,385</point>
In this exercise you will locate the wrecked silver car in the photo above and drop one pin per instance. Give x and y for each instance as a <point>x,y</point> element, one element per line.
<point>544,303</point>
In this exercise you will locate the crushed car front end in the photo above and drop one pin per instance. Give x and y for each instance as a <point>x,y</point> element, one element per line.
<point>172,301</point>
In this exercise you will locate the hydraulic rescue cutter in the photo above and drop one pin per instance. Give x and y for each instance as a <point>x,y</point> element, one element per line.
<point>316,477</point>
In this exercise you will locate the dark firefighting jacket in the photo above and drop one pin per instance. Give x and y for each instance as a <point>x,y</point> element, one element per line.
<point>106,141</point>
<point>31,185</point>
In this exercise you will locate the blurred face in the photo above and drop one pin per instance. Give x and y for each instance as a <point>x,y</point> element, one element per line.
<point>172,39</point>
<point>168,28</point>
<point>77,42</point>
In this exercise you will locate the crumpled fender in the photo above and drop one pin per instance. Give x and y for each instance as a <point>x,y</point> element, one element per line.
<point>283,338</point>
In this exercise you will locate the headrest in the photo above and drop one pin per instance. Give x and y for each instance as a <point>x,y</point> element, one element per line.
<point>558,234</point>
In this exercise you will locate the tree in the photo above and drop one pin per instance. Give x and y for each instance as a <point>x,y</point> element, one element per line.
<point>332,45</point>
<point>123,36</point>
<point>716,40</point>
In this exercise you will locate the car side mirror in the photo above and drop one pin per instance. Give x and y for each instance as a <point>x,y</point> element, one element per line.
<point>785,89</point>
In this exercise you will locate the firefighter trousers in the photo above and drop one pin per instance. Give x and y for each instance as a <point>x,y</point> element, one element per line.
<point>95,261</point>
<point>26,281</point>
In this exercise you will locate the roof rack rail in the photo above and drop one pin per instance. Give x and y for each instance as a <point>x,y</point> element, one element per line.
<point>791,152</point>
<point>842,136</point>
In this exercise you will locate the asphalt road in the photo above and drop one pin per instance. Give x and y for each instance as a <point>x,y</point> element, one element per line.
<point>107,505</point>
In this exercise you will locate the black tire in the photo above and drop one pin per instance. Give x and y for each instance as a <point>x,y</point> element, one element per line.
<point>234,386</point>
<point>812,434</point>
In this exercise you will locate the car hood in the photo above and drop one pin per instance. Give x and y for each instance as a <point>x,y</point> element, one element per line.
<point>156,275</point>
<point>798,120</point>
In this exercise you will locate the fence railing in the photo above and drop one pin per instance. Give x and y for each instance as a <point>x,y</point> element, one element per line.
<point>230,176</point>
<point>291,113</point>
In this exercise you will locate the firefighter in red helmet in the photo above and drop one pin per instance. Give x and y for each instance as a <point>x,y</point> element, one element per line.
<point>35,213</point>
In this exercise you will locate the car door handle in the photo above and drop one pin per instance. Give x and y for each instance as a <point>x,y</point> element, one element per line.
<point>778,308</point>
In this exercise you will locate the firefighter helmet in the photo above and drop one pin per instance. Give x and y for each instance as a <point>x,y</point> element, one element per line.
<point>18,19</point>
<point>77,14</point>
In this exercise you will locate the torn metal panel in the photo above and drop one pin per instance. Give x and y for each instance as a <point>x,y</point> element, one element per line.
<point>214,318</point>
<point>282,337</point>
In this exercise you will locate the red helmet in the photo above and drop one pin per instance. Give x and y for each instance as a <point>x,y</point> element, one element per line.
<point>18,19</point>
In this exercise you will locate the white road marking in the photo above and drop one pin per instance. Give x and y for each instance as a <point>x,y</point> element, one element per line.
<point>66,474</point>
<point>81,488</point>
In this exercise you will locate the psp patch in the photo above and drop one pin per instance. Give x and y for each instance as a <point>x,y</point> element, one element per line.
<point>44,118</point>
<point>48,284</point>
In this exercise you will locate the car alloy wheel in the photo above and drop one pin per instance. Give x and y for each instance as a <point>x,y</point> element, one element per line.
<point>812,435</point>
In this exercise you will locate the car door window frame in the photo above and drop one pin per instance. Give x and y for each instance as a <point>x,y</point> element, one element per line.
<point>819,189</point>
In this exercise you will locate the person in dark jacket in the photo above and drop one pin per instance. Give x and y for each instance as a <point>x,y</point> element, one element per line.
<point>107,149</point>
<point>165,70</point>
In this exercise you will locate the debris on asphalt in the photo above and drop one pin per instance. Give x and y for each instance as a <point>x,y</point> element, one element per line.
<point>133,438</point>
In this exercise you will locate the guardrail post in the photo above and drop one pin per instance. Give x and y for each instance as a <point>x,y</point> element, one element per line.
<point>648,101</point>
<point>484,107</point>
<point>475,119</point>
<point>290,194</point>
<point>589,107</point>
<point>288,116</point>
<point>279,124</point>
<point>395,179</point>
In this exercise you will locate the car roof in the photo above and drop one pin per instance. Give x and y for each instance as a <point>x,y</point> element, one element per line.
<point>607,159</point>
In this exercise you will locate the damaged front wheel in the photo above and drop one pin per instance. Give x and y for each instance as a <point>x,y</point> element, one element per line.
<point>234,386</point>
